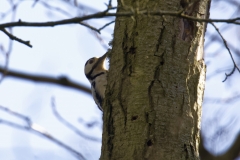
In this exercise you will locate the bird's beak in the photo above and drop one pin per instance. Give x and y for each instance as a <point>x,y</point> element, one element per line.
<point>101,59</point>
<point>100,62</point>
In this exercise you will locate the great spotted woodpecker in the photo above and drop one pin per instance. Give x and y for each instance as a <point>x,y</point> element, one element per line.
<point>96,73</point>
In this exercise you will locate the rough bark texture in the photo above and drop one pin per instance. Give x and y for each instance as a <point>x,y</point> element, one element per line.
<point>155,86</point>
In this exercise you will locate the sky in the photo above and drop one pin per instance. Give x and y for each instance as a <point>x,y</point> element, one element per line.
<point>221,118</point>
<point>63,50</point>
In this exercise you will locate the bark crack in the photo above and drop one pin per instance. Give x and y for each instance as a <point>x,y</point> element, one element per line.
<point>159,42</point>
<point>182,105</point>
<point>124,110</point>
<point>110,129</point>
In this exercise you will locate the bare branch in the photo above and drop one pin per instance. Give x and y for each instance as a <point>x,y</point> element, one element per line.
<point>18,115</point>
<point>54,23</point>
<point>11,10</point>
<point>105,26</point>
<point>62,80</point>
<point>109,5</point>
<point>34,3</point>
<point>35,128</point>
<point>90,27</point>
<point>10,46</point>
<point>69,125</point>
<point>105,14</point>
<point>226,45</point>
<point>219,71</point>
<point>12,37</point>
<point>100,39</point>
<point>59,10</point>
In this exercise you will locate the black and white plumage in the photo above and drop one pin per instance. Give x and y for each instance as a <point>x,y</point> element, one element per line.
<point>96,73</point>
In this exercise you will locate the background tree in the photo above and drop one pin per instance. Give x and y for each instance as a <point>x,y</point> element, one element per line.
<point>68,102</point>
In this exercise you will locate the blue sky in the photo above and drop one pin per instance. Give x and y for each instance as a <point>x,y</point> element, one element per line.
<point>62,50</point>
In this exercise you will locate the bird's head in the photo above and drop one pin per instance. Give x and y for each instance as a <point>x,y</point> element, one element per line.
<point>94,66</point>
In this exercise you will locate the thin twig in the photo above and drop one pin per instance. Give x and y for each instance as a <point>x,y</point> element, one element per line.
<point>61,80</point>
<point>69,125</point>
<point>18,115</point>
<point>105,25</point>
<point>229,51</point>
<point>90,27</point>
<point>11,10</point>
<point>60,10</point>
<point>109,5</point>
<point>52,8</point>
<point>231,99</point>
<point>100,39</point>
<point>219,71</point>
<point>10,45</point>
<point>35,128</point>
<point>12,37</point>
<point>34,3</point>
<point>75,20</point>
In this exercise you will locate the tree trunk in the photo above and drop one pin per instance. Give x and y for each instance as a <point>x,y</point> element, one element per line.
<point>152,108</point>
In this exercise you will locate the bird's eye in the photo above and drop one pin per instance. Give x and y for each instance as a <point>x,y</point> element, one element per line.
<point>91,61</point>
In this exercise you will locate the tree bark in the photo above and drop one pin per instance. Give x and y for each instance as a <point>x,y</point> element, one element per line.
<point>152,108</point>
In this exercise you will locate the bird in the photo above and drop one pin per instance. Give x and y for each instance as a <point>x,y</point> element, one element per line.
<point>96,74</point>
